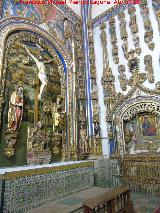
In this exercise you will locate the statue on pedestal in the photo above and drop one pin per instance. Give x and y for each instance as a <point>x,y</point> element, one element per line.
<point>83,141</point>
<point>15,111</point>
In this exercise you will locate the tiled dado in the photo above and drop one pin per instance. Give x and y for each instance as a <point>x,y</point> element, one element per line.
<point>24,190</point>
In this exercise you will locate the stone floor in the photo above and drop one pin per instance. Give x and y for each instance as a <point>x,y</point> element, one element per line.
<point>142,204</point>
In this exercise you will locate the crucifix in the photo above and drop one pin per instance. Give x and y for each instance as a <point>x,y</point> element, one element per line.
<point>42,77</point>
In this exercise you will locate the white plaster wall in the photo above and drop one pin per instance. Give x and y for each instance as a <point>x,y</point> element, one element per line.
<point>145,51</point>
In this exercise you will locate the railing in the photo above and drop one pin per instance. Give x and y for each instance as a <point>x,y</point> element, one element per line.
<point>142,173</point>
<point>114,201</point>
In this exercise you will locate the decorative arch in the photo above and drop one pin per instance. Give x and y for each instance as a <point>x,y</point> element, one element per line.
<point>9,25</point>
<point>128,110</point>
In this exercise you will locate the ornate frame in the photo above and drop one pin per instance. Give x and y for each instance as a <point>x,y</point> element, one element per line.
<point>128,110</point>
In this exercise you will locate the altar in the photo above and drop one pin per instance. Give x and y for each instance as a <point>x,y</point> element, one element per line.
<point>27,187</point>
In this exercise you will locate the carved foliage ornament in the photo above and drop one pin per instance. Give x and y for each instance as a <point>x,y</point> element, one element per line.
<point>141,107</point>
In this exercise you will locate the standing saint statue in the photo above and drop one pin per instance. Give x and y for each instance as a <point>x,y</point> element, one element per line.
<point>42,74</point>
<point>56,118</point>
<point>15,111</point>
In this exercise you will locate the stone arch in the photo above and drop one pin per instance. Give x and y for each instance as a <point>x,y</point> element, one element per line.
<point>10,25</point>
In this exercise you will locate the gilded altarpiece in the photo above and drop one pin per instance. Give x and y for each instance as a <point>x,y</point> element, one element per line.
<point>33,97</point>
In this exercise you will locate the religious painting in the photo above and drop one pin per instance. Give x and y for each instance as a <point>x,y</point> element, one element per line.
<point>142,128</point>
<point>148,127</point>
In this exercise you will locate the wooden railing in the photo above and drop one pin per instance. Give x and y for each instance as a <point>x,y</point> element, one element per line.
<point>115,201</point>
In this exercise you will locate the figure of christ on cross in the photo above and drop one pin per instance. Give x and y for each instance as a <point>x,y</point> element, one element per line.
<point>41,74</point>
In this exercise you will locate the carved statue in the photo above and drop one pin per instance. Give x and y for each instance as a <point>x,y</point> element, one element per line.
<point>125,48</point>
<point>47,113</point>
<point>115,54</point>
<point>55,117</point>
<point>149,68</point>
<point>83,140</point>
<point>123,30</point>
<point>131,10</point>
<point>144,9</point>
<point>148,36</point>
<point>147,24</point>
<point>97,130</point>
<point>112,31</point>
<point>133,24</point>
<point>40,138</point>
<point>122,77</point>
<point>135,40</point>
<point>67,28</point>
<point>81,83</point>
<point>15,111</point>
<point>133,62</point>
<point>42,74</point>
